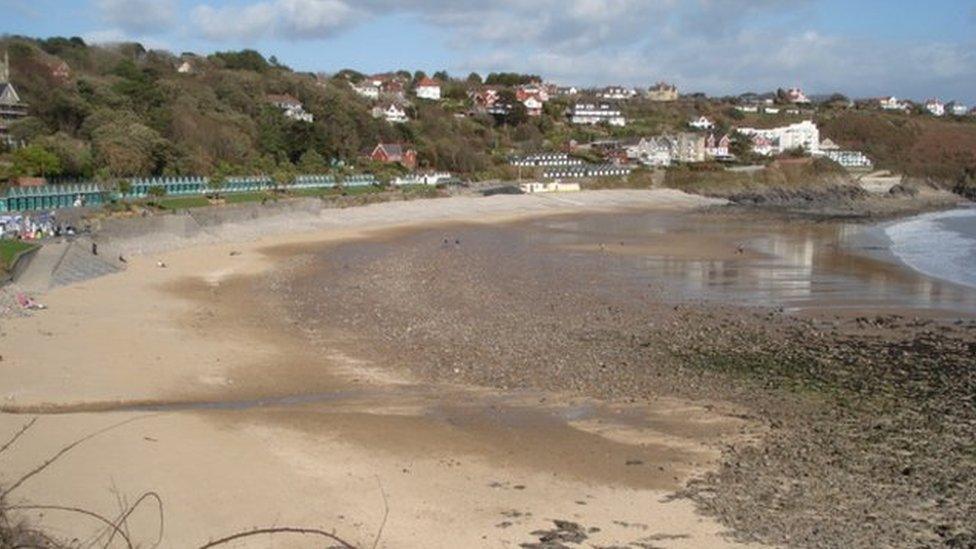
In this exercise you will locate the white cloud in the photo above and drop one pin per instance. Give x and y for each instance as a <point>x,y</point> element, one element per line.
<point>313,18</point>
<point>716,46</point>
<point>247,23</point>
<point>287,19</point>
<point>116,36</point>
<point>140,16</point>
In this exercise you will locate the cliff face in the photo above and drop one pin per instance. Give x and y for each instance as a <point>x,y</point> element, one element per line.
<point>813,188</point>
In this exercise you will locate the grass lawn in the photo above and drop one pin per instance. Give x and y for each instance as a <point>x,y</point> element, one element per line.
<point>9,250</point>
<point>240,198</point>
<point>183,202</point>
<point>188,202</point>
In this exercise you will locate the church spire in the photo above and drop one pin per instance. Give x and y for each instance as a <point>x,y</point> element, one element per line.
<point>5,68</point>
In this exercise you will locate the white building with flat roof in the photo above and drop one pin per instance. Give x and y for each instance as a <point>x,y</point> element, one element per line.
<point>591,114</point>
<point>802,135</point>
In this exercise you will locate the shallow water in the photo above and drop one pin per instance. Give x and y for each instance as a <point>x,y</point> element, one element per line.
<point>792,265</point>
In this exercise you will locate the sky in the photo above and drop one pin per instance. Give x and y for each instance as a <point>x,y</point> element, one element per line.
<point>907,48</point>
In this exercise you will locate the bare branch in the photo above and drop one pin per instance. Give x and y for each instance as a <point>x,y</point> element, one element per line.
<point>386,514</point>
<point>132,509</point>
<point>22,430</point>
<point>78,510</point>
<point>282,530</point>
<point>62,452</point>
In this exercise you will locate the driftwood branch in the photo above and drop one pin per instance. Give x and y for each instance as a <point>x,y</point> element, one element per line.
<point>282,530</point>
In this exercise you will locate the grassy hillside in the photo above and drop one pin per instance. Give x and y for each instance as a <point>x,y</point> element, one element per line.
<point>943,150</point>
<point>124,111</point>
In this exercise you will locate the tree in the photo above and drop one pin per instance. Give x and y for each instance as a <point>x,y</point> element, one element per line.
<point>218,180</point>
<point>33,161</point>
<point>123,187</point>
<point>283,176</point>
<point>311,162</point>
<point>248,60</point>
<point>443,76</point>
<point>27,129</point>
<point>474,79</point>
<point>74,155</point>
<point>127,149</point>
<point>156,192</point>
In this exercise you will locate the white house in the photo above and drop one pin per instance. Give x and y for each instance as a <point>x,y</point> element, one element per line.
<point>185,68</point>
<point>935,107</point>
<point>958,109</point>
<point>802,135</point>
<point>428,88</point>
<point>616,93</point>
<point>850,159</point>
<point>702,123</point>
<point>291,107</point>
<point>590,114</point>
<point>651,151</point>
<point>796,95</point>
<point>533,106</point>
<point>367,89</point>
<point>392,113</point>
<point>717,147</point>
<point>893,104</point>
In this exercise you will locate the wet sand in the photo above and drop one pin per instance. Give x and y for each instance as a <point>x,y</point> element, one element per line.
<point>475,381</point>
<point>237,420</point>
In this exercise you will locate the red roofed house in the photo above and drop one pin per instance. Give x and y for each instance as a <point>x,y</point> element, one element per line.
<point>391,153</point>
<point>486,97</point>
<point>531,99</point>
<point>428,88</point>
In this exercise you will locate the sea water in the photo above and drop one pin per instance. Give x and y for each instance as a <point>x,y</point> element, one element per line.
<point>939,244</point>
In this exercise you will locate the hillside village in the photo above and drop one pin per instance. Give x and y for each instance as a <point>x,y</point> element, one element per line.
<point>105,116</point>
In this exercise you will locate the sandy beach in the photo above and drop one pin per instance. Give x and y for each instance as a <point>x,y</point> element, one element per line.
<point>228,412</point>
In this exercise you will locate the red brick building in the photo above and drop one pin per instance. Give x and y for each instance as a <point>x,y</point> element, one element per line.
<point>395,153</point>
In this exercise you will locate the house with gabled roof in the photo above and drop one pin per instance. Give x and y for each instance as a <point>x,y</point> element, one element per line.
<point>701,123</point>
<point>11,107</point>
<point>392,113</point>
<point>717,146</point>
<point>428,88</point>
<point>395,153</point>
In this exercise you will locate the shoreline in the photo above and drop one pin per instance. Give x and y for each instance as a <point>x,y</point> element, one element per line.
<point>450,458</point>
<point>452,378</point>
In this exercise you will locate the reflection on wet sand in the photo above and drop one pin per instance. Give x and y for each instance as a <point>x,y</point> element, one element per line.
<point>792,265</point>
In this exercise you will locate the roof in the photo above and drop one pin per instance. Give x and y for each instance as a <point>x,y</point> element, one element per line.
<point>393,150</point>
<point>427,82</point>
<point>8,95</point>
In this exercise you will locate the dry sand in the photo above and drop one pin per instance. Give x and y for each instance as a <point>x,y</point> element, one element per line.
<point>238,424</point>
